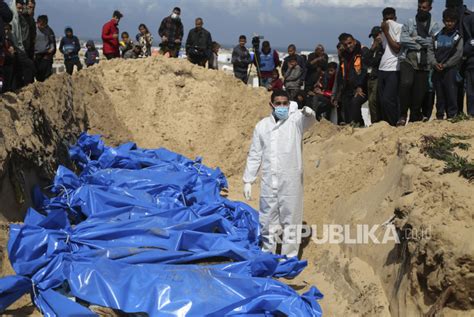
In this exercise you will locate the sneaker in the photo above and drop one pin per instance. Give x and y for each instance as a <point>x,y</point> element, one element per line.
<point>426,119</point>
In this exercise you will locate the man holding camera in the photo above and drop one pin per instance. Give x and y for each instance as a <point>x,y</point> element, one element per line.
<point>199,44</point>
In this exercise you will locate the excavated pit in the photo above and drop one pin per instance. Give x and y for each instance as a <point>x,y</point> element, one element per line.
<point>352,176</point>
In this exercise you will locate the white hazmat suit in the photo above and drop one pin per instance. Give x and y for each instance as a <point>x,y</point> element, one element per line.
<point>277,150</point>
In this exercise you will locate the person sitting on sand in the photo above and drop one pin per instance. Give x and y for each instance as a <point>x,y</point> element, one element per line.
<point>134,53</point>
<point>126,44</point>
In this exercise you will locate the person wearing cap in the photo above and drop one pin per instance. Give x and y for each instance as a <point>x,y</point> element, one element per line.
<point>416,45</point>
<point>171,32</point>
<point>70,47</point>
<point>372,58</point>
<point>110,36</point>
<point>465,27</point>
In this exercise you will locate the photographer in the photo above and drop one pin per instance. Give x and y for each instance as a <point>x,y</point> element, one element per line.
<point>199,44</point>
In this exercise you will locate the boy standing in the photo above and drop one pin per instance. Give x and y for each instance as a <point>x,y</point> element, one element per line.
<point>448,52</point>
<point>70,48</point>
<point>293,77</point>
<point>241,60</point>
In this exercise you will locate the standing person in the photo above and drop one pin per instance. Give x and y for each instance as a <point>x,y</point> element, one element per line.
<point>6,16</point>
<point>416,44</point>
<point>465,27</point>
<point>199,44</point>
<point>389,69</point>
<point>293,78</point>
<point>300,60</point>
<point>448,53</point>
<point>372,59</point>
<point>8,67</point>
<point>269,60</point>
<point>110,36</point>
<point>276,150</point>
<point>352,80</point>
<point>317,63</point>
<point>24,71</point>
<point>241,60</point>
<point>171,32</point>
<point>70,46</point>
<point>45,49</point>
<point>145,40</point>
<point>29,15</point>
<point>214,59</point>
<point>92,55</point>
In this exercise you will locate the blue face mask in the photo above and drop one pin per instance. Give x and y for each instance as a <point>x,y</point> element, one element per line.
<point>282,113</point>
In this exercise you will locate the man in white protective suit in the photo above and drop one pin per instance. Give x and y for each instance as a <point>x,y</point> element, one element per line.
<point>277,150</point>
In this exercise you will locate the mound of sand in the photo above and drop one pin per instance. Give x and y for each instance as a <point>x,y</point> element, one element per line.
<point>353,176</point>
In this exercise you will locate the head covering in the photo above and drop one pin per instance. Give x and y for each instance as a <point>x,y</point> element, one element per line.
<point>68,29</point>
<point>454,3</point>
<point>91,44</point>
<point>20,2</point>
<point>177,9</point>
<point>376,30</point>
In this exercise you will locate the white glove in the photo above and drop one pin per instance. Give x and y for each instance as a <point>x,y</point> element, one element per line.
<point>307,112</point>
<point>248,191</point>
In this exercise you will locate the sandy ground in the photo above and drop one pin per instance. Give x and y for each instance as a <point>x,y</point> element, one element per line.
<point>352,176</point>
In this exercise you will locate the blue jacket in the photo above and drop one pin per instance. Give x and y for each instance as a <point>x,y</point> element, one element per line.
<point>70,47</point>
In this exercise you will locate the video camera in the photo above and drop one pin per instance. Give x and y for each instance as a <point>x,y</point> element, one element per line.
<point>256,42</point>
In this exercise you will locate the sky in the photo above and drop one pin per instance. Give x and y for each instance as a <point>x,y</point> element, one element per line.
<point>305,23</point>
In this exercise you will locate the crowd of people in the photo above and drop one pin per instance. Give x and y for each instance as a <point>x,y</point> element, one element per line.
<point>407,67</point>
<point>29,44</point>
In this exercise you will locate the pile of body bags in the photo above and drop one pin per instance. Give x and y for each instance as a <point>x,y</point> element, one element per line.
<point>146,232</point>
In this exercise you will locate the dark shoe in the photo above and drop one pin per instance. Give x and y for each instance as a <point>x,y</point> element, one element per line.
<point>426,119</point>
<point>402,122</point>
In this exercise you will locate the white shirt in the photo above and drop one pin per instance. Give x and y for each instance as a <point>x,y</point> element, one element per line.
<point>390,61</point>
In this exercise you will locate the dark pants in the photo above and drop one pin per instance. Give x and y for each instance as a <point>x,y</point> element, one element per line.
<point>413,88</point>
<point>352,107</point>
<point>446,93</point>
<point>388,83</point>
<point>25,70</point>
<point>373,100</point>
<point>243,76</point>
<point>111,56</point>
<point>470,91</point>
<point>428,104</point>
<point>460,96</point>
<point>70,63</point>
<point>321,105</point>
<point>44,67</point>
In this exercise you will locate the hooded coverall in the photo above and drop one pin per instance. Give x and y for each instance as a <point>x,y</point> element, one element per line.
<point>277,150</point>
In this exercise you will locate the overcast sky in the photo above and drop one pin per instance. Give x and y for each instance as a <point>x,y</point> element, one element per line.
<point>302,22</point>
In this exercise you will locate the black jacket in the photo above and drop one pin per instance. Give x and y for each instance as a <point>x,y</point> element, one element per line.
<point>372,58</point>
<point>314,71</point>
<point>353,70</point>
<point>6,16</point>
<point>467,33</point>
<point>200,40</point>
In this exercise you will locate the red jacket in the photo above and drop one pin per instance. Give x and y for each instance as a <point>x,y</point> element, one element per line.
<point>111,44</point>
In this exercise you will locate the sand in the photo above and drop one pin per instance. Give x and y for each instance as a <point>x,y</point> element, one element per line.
<point>352,176</point>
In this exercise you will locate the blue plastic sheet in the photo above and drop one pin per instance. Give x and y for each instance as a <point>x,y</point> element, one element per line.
<point>146,231</point>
